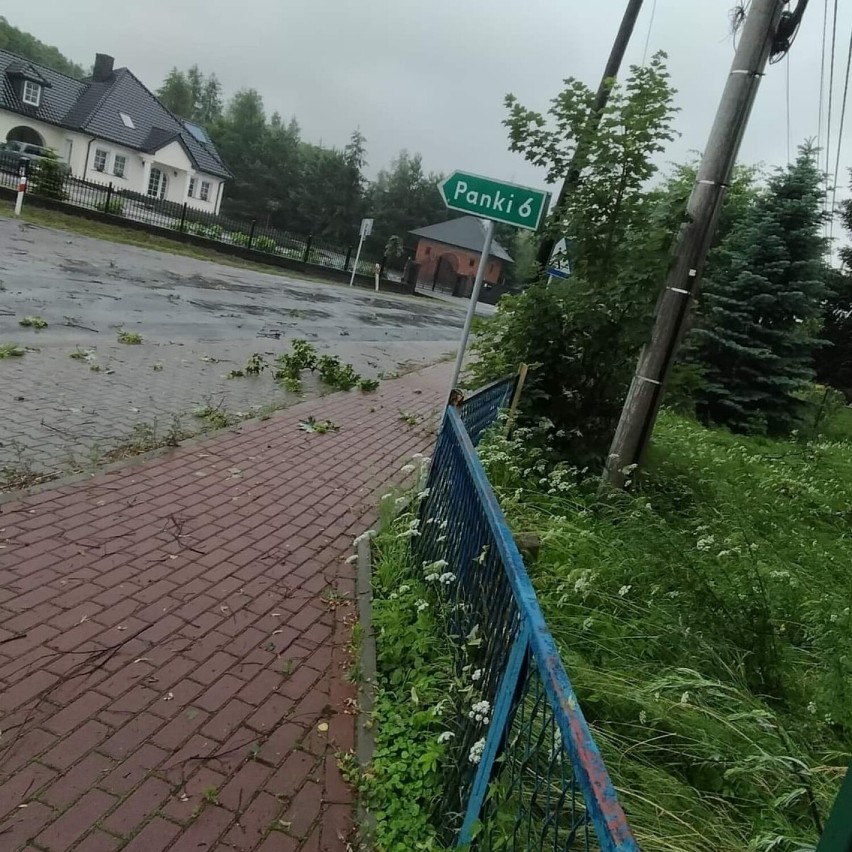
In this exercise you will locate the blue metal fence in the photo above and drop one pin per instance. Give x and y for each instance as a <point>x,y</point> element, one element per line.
<point>528,773</point>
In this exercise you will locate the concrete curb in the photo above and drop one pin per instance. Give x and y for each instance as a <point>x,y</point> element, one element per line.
<point>365,740</point>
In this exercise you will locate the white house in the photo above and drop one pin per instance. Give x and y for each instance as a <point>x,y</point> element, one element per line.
<point>110,129</point>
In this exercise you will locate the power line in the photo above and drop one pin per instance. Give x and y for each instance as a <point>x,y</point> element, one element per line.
<point>789,146</point>
<point>830,91</point>
<point>840,137</point>
<point>650,29</point>
<point>822,75</point>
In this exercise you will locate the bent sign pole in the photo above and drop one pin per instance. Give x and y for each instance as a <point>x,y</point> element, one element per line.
<point>495,201</point>
<point>471,308</point>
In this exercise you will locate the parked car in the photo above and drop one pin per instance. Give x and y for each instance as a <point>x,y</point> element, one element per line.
<point>13,153</point>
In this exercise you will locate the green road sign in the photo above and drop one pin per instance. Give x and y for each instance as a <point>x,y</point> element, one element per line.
<point>493,199</point>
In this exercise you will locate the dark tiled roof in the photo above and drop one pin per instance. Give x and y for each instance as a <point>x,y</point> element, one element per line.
<point>63,94</point>
<point>467,232</point>
<point>95,107</point>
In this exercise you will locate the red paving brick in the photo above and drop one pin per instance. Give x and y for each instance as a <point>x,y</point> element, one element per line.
<point>176,657</point>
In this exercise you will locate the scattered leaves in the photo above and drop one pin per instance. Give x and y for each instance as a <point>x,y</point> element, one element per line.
<point>320,427</point>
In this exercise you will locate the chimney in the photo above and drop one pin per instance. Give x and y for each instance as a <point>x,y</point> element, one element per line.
<point>103,67</point>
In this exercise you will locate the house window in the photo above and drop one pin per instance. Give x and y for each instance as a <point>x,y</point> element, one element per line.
<point>204,195</point>
<point>126,120</point>
<point>119,165</point>
<point>191,191</point>
<point>32,93</point>
<point>101,158</point>
<point>69,147</point>
<point>428,250</point>
<point>472,262</point>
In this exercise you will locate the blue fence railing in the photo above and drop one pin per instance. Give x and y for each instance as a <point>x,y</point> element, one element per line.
<point>528,774</point>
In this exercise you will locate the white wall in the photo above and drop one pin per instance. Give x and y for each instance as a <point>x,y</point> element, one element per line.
<point>133,168</point>
<point>53,136</point>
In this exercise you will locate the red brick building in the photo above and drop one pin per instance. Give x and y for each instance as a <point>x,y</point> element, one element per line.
<point>448,255</point>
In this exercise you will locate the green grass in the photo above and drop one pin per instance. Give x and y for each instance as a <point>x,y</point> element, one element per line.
<point>37,323</point>
<point>130,338</point>
<point>11,350</point>
<point>706,625</point>
<point>404,782</point>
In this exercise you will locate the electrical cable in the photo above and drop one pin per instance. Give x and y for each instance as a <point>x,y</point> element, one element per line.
<point>840,138</point>
<point>822,77</point>
<point>830,91</point>
<point>789,144</point>
<point>648,36</point>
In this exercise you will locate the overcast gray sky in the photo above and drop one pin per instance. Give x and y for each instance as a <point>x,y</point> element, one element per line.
<point>431,76</point>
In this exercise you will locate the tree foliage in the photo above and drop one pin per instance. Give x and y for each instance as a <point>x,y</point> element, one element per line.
<point>581,336</point>
<point>761,312</point>
<point>26,45</point>
<point>192,95</point>
<point>834,361</point>
<point>404,197</point>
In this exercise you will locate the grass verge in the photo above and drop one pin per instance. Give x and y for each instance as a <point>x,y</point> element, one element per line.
<point>706,624</point>
<point>405,781</point>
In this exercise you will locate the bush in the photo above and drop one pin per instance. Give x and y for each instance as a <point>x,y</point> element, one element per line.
<point>238,238</point>
<point>265,244</point>
<point>114,206</point>
<point>47,177</point>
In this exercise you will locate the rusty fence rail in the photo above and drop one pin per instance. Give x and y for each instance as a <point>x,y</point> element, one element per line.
<point>527,772</point>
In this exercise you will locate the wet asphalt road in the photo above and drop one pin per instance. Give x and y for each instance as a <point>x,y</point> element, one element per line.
<point>198,320</point>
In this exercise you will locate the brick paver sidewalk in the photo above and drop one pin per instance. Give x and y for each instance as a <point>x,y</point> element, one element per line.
<point>173,637</point>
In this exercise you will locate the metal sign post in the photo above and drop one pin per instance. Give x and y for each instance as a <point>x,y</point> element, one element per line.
<point>495,201</point>
<point>471,308</point>
<point>366,230</point>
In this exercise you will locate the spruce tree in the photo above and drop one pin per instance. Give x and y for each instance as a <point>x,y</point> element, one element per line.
<point>760,316</point>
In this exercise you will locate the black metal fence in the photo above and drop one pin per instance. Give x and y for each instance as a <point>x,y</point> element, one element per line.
<point>254,234</point>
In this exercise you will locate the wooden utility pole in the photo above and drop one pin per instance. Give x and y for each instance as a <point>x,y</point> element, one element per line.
<point>759,34</point>
<point>613,65</point>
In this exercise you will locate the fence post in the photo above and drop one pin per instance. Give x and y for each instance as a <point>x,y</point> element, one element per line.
<point>348,259</point>
<point>383,265</point>
<point>500,720</point>
<point>307,254</point>
<point>183,218</point>
<point>251,232</point>
<point>108,198</point>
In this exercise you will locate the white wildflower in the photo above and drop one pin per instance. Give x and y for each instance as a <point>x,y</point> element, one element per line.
<point>624,590</point>
<point>430,578</point>
<point>812,708</point>
<point>400,502</point>
<point>365,536</point>
<point>705,542</point>
<point>438,565</point>
<point>404,588</point>
<point>421,605</point>
<point>476,750</point>
<point>393,596</point>
<point>476,675</point>
<point>447,578</point>
<point>479,712</point>
<point>438,709</point>
<point>407,468</point>
<point>445,737</point>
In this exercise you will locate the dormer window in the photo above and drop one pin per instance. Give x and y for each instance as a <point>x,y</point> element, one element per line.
<point>31,93</point>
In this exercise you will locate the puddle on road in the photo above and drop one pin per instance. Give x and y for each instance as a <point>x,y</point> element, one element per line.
<point>232,310</point>
<point>306,296</point>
